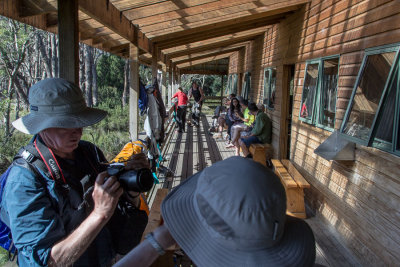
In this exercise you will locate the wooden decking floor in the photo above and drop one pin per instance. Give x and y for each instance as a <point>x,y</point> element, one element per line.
<point>190,152</point>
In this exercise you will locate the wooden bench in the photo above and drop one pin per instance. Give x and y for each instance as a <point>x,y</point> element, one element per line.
<point>294,184</point>
<point>261,152</point>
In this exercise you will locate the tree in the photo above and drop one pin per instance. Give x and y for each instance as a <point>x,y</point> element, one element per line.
<point>15,42</point>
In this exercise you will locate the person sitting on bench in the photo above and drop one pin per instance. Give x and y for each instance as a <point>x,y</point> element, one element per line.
<point>242,129</point>
<point>253,230</point>
<point>261,133</point>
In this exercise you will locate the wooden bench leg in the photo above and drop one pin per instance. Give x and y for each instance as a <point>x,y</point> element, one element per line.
<point>295,202</point>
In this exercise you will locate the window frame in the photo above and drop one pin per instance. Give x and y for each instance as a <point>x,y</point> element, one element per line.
<point>234,83</point>
<point>317,101</point>
<point>372,131</point>
<point>269,93</point>
<point>229,85</point>
<point>246,83</point>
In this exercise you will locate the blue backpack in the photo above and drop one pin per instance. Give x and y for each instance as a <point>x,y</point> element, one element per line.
<point>143,99</point>
<point>5,232</point>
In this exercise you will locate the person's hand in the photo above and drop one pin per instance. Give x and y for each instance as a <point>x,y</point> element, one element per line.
<point>105,195</point>
<point>137,161</point>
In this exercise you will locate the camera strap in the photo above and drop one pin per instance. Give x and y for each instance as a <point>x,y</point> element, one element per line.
<point>50,161</point>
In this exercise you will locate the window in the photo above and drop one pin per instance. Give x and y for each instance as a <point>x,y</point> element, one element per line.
<point>269,87</point>
<point>372,115</point>
<point>232,84</point>
<point>318,102</point>
<point>246,85</point>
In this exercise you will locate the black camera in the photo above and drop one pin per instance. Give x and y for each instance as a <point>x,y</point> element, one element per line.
<point>132,180</point>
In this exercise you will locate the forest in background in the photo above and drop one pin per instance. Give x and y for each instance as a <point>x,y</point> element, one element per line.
<point>28,55</point>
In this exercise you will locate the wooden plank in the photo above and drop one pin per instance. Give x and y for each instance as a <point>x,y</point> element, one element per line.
<point>110,16</point>
<point>283,174</point>
<point>226,21</point>
<point>203,9</point>
<point>216,30</point>
<point>155,212</point>
<point>29,8</point>
<point>301,182</point>
<point>332,250</point>
<point>212,16</point>
<point>205,55</point>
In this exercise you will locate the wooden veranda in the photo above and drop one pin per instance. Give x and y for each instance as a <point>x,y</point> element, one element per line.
<point>187,153</point>
<point>280,54</point>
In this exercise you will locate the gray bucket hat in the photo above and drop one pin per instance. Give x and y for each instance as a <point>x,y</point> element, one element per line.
<point>233,213</point>
<point>57,103</point>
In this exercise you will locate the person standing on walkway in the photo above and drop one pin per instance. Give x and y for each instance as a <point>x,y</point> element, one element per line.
<point>181,112</point>
<point>198,96</point>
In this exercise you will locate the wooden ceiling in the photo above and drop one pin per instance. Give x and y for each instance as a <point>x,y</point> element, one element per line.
<point>181,33</point>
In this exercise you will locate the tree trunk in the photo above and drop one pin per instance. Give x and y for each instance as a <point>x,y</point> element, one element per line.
<point>8,108</point>
<point>88,74</point>
<point>82,69</point>
<point>54,55</point>
<point>126,84</point>
<point>45,56</point>
<point>96,56</point>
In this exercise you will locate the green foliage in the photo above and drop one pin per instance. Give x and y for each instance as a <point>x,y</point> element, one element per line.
<point>110,71</point>
<point>211,84</point>
<point>112,133</point>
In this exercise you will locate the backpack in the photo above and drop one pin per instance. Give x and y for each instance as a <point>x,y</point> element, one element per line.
<point>5,232</point>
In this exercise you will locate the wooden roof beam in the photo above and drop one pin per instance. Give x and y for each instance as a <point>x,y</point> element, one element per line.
<point>206,51</point>
<point>107,14</point>
<point>203,60</point>
<point>246,22</point>
<point>211,44</point>
<point>206,55</point>
<point>162,7</point>
<point>203,9</point>
<point>29,8</point>
<point>203,72</point>
<point>217,31</point>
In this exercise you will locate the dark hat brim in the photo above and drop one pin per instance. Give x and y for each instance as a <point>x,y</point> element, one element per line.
<point>33,123</point>
<point>296,248</point>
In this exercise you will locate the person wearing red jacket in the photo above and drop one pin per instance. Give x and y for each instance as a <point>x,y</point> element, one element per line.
<point>181,112</point>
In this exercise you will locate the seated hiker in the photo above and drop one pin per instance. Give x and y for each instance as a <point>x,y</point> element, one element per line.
<point>58,200</point>
<point>242,129</point>
<point>253,230</point>
<point>226,121</point>
<point>181,110</point>
<point>234,115</point>
<point>218,112</point>
<point>261,132</point>
<point>219,115</point>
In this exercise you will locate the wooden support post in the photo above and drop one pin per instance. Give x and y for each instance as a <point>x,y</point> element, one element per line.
<point>179,77</point>
<point>169,86</point>
<point>134,92</point>
<point>222,89</point>
<point>154,66</point>
<point>68,48</point>
<point>164,85</point>
<point>284,118</point>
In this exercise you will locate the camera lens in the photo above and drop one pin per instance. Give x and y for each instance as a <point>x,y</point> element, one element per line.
<point>138,181</point>
<point>145,179</point>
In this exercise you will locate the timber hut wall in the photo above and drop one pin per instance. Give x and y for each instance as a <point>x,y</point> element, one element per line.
<point>360,199</point>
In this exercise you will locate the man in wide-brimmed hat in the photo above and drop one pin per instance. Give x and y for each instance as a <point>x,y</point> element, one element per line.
<point>58,200</point>
<point>230,214</point>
